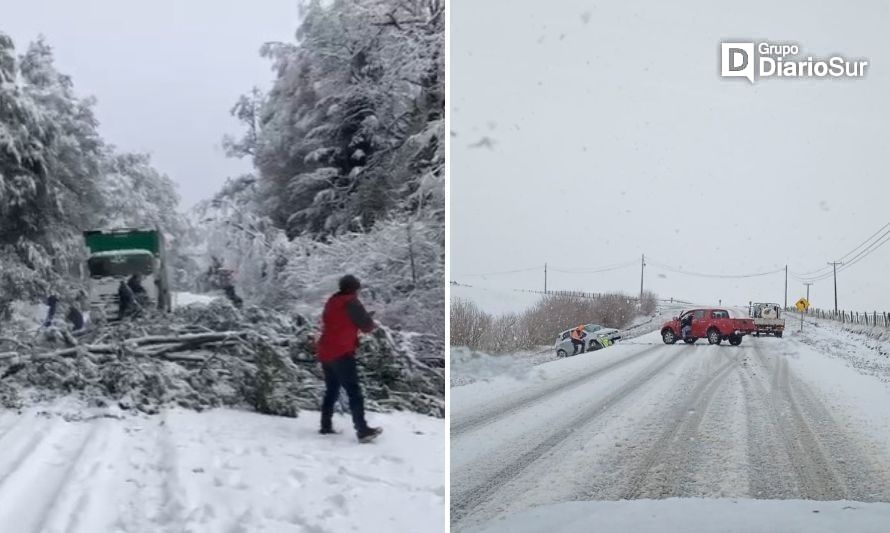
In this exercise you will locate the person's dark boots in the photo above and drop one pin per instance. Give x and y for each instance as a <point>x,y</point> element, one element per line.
<point>368,434</point>
<point>328,431</point>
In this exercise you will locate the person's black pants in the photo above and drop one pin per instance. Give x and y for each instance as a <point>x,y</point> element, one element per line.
<point>342,373</point>
<point>576,344</point>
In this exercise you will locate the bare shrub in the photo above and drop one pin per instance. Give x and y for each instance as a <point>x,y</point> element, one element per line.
<point>468,324</point>
<point>650,301</point>
<point>506,333</point>
<point>540,324</point>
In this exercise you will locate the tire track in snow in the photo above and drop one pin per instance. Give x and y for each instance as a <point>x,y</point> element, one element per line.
<point>171,513</point>
<point>155,501</point>
<point>88,477</point>
<point>769,468</point>
<point>464,501</point>
<point>830,463</point>
<point>18,418</point>
<point>30,489</point>
<point>497,412</point>
<point>814,474</point>
<point>660,473</point>
<point>74,461</point>
<point>20,457</point>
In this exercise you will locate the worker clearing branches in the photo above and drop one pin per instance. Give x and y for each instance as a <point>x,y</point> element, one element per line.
<point>344,317</point>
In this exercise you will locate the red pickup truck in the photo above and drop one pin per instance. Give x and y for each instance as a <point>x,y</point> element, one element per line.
<point>714,324</point>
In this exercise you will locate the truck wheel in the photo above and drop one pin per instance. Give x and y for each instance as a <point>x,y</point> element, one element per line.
<point>714,336</point>
<point>561,353</point>
<point>690,340</point>
<point>735,340</point>
<point>668,336</point>
<point>778,334</point>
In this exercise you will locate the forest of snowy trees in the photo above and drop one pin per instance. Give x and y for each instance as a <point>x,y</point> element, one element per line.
<point>347,148</point>
<point>59,177</point>
<point>348,151</point>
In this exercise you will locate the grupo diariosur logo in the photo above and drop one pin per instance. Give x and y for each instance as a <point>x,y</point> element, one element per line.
<point>783,60</point>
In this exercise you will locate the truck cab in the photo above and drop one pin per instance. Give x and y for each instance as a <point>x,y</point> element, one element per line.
<point>115,256</point>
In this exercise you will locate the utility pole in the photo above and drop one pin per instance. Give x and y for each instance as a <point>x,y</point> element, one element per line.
<point>545,278</point>
<point>642,268</point>
<point>834,264</point>
<point>786,286</point>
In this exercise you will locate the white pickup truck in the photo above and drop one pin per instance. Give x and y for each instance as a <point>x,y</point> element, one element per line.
<point>767,318</point>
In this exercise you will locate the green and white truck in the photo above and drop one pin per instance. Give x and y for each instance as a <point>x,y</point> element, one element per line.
<point>114,256</point>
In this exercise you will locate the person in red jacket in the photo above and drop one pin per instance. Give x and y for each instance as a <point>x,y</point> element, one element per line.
<point>344,317</point>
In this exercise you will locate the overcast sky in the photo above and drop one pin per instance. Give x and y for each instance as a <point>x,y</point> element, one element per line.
<point>585,134</point>
<point>165,72</point>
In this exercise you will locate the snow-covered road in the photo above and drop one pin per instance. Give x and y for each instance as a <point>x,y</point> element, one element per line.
<point>772,419</point>
<point>67,469</point>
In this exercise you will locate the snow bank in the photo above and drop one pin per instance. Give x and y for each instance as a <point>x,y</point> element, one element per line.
<point>502,378</point>
<point>867,349</point>
<point>68,468</point>
<point>469,366</point>
<point>698,516</point>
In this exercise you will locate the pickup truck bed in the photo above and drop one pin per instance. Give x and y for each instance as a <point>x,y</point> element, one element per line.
<point>769,326</point>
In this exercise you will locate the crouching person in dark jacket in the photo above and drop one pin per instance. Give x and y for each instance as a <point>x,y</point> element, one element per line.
<point>344,317</point>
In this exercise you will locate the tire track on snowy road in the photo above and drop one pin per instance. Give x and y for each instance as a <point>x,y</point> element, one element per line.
<point>769,470</point>
<point>829,462</point>
<point>501,410</point>
<point>465,499</point>
<point>814,476</point>
<point>73,463</point>
<point>661,472</point>
<point>20,457</point>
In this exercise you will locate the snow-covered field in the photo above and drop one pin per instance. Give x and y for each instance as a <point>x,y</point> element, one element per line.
<point>495,301</point>
<point>65,468</point>
<point>798,418</point>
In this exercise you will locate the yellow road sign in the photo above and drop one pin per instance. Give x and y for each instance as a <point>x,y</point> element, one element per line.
<point>802,305</point>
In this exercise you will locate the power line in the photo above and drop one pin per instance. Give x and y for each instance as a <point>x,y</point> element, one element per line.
<point>596,270</point>
<point>708,275</point>
<point>504,272</point>
<point>868,251</point>
<point>865,252</point>
<point>844,257</point>
<point>590,270</point>
<point>826,272</point>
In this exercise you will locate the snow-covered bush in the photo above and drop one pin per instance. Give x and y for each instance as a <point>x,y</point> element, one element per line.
<point>401,265</point>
